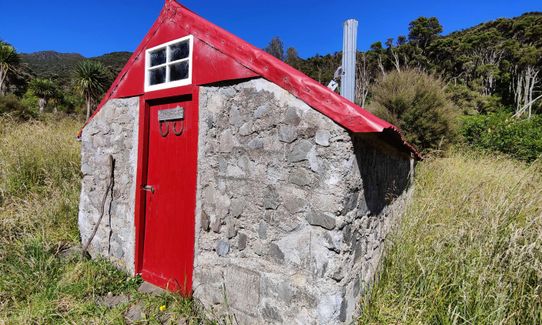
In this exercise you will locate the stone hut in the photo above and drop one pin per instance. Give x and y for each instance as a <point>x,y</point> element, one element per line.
<point>213,169</point>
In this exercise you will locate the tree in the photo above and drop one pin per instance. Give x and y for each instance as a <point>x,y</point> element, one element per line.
<point>423,31</point>
<point>276,48</point>
<point>91,80</point>
<point>8,61</point>
<point>45,90</point>
<point>292,58</point>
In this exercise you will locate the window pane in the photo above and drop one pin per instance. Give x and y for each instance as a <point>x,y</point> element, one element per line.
<point>158,57</point>
<point>157,76</point>
<point>178,51</point>
<point>178,71</point>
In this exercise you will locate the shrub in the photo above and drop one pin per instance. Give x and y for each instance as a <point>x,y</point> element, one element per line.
<point>521,139</point>
<point>11,106</point>
<point>418,104</point>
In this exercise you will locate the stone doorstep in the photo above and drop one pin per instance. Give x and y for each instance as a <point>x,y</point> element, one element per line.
<point>150,288</point>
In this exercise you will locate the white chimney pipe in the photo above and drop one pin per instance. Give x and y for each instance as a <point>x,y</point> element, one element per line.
<point>348,80</point>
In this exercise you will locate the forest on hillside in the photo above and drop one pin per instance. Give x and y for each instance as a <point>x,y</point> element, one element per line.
<point>481,85</point>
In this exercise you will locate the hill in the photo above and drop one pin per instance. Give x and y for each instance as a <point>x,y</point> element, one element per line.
<point>59,66</point>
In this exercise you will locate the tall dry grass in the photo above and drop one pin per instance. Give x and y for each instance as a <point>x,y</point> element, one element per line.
<point>469,249</point>
<point>39,282</point>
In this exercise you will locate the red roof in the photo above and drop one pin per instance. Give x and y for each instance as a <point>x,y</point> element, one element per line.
<point>245,60</point>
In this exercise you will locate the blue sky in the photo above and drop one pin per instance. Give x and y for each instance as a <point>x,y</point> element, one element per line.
<point>96,27</point>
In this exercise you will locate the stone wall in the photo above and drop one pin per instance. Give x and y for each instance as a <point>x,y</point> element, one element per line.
<point>113,131</point>
<point>292,211</point>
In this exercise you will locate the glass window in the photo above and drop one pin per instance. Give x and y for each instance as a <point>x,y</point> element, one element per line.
<point>179,51</point>
<point>169,65</point>
<point>157,76</point>
<point>158,57</point>
<point>178,71</point>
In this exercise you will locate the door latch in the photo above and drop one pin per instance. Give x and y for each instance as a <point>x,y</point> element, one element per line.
<point>149,188</point>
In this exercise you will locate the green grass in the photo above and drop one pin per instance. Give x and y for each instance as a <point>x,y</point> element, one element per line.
<point>469,249</point>
<point>39,194</point>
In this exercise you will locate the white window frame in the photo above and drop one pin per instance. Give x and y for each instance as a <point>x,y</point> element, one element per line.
<point>169,84</point>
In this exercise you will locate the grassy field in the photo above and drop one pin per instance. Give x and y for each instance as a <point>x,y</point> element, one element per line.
<point>40,281</point>
<point>469,249</point>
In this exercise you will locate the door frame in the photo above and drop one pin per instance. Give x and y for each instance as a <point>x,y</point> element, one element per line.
<point>145,102</point>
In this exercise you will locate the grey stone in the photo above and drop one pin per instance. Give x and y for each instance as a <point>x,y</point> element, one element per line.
<point>293,203</point>
<point>261,111</point>
<point>231,230</point>
<point>291,117</point>
<point>255,144</point>
<point>111,300</point>
<point>262,230</point>
<point>351,201</point>
<point>322,137</point>
<point>300,176</point>
<point>242,289</point>
<point>246,129</point>
<point>205,221</point>
<point>236,207</point>
<point>276,253</point>
<point>150,288</point>
<point>271,199</point>
<point>287,133</point>
<point>271,313</point>
<point>134,314</point>
<point>321,219</point>
<point>226,141</point>
<point>342,314</point>
<point>242,241</point>
<point>222,248</point>
<point>216,223</point>
<point>300,151</point>
<point>235,117</point>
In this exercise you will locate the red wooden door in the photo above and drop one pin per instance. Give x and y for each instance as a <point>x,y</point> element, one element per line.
<point>168,246</point>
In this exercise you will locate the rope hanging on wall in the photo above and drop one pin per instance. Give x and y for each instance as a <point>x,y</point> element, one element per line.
<point>102,206</point>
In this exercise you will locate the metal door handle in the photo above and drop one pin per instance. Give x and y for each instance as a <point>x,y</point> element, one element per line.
<point>149,188</point>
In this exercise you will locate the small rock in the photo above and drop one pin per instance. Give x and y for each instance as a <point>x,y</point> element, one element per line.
<point>135,314</point>
<point>111,301</point>
<point>291,117</point>
<point>299,151</point>
<point>231,231</point>
<point>324,220</point>
<point>322,137</point>
<point>242,241</point>
<point>205,221</point>
<point>235,117</point>
<point>261,111</point>
<point>287,133</point>
<point>236,208</point>
<point>294,204</point>
<point>216,224</point>
<point>226,141</point>
<point>271,199</point>
<point>262,230</point>
<point>276,253</point>
<point>149,288</point>
<point>271,313</point>
<point>222,248</point>
<point>255,144</point>
<point>300,176</point>
<point>245,129</point>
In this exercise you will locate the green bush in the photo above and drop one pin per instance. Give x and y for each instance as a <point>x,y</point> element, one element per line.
<point>10,105</point>
<point>521,139</point>
<point>418,104</point>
